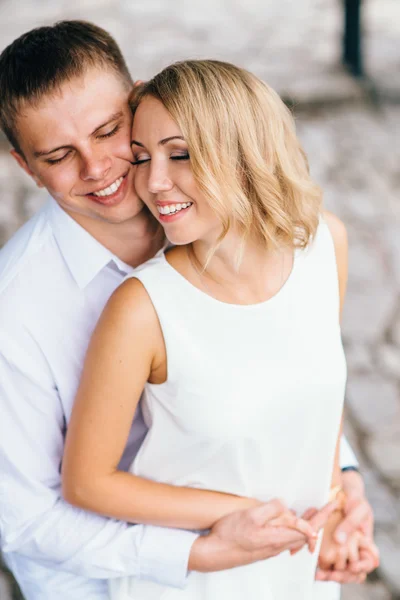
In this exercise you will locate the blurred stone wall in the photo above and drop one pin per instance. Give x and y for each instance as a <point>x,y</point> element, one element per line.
<point>351,133</point>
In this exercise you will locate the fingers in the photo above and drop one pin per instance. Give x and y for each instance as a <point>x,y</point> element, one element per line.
<point>263,514</point>
<point>353,549</point>
<point>320,518</point>
<point>354,519</point>
<point>368,560</point>
<point>368,547</point>
<point>327,557</point>
<point>290,521</point>
<point>339,576</point>
<point>341,558</point>
<point>309,514</point>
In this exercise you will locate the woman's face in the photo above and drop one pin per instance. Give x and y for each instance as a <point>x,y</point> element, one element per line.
<point>164,179</point>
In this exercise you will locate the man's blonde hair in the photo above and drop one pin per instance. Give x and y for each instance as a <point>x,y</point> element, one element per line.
<point>245,155</point>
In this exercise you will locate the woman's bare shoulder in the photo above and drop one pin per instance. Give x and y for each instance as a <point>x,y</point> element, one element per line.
<point>339,236</point>
<point>337,229</point>
<point>131,305</point>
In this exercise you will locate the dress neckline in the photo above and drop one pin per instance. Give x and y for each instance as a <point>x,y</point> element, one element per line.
<point>283,290</point>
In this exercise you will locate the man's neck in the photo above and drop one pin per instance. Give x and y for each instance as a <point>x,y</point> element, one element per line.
<point>134,241</point>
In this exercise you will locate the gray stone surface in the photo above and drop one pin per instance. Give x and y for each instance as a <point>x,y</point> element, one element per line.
<point>5,588</point>
<point>374,402</point>
<point>354,154</point>
<point>373,591</point>
<point>384,451</point>
<point>389,546</point>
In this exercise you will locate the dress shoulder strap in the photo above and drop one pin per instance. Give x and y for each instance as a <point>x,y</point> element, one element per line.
<point>320,263</point>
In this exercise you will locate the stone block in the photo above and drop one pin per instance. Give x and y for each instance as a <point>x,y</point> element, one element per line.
<point>383,449</point>
<point>5,587</point>
<point>389,569</point>
<point>374,402</point>
<point>368,311</point>
<point>382,499</point>
<point>359,358</point>
<point>366,591</point>
<point>389,359</point>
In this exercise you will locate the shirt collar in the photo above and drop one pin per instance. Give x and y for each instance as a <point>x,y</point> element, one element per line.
<point>84,255</point>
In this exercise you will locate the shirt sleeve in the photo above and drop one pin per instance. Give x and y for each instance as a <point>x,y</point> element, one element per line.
<point>347,457</point>
<point>35,521</point>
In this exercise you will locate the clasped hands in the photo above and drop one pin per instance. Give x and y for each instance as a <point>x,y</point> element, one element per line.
<point>348,552</point>
<point>262,531</point>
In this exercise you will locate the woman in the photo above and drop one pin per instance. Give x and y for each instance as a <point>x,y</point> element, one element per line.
<point>234,333</point>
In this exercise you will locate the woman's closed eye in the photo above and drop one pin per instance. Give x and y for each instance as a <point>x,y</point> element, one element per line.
<point>141,159</point>
<point>184,156</point>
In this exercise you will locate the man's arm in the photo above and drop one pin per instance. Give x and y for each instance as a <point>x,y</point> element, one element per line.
<point>34,519</point>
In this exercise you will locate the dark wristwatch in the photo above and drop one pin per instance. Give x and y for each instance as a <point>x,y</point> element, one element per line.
<point>351,468</point>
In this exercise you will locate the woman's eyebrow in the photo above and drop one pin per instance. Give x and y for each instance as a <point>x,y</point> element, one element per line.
<point>169,139</point>
<point>161,142</point>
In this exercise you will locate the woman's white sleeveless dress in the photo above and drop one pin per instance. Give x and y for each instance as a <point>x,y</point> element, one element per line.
<point>251,406</point>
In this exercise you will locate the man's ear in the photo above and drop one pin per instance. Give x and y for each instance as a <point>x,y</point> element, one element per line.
<point>24,165</point>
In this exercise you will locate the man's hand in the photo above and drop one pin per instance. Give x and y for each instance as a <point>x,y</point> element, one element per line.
<point>258,533</point>
<point>358,516</point>
<point>357,510</point>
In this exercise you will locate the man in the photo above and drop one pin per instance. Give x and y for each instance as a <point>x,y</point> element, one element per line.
<point>64,108</point>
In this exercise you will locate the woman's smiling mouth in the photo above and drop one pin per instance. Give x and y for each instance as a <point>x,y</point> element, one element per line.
<point>170,212</point>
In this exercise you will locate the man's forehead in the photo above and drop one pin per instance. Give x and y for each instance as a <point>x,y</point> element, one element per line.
<point>95,92</point>
<point>78,107</point>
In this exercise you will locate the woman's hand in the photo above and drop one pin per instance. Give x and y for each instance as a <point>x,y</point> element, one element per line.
<point>357,517</point>
<point>347,563</point>
<point>254,534</point>
<point>357,511</point>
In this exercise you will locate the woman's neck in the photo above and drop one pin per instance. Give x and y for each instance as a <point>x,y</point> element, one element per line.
<point>259,275</point>
<point>253,261</point>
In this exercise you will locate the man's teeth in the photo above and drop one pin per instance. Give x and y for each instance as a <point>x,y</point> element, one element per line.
<point>171,209</point>
<point>111,189</point>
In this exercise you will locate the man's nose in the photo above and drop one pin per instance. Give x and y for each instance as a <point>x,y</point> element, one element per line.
<point>95,167</point>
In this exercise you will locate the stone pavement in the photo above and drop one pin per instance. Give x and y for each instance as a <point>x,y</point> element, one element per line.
<point>354,152</point>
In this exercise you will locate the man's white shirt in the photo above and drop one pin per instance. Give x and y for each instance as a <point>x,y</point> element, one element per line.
<point>55,280</point>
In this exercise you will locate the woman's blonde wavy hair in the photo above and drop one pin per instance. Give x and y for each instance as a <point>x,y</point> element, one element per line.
<point>245,155</point>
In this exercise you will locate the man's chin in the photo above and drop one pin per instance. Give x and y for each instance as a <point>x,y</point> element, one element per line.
<point>96,212</point>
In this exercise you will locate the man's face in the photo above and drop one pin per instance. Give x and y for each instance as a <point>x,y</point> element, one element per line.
<point>76,143</point>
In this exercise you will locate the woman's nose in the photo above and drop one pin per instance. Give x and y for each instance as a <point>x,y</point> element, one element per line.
<point>159,180</point>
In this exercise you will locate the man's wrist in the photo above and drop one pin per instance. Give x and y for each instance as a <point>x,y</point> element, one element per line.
<point>352,482</point>
<point>203,554</point>
<point>210,553</point>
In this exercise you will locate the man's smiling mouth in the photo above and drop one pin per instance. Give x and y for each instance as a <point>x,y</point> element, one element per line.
<point>111,189</point>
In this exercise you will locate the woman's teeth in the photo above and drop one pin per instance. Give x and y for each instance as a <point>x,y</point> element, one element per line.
<point>111,189</point>
<point>171,209</point>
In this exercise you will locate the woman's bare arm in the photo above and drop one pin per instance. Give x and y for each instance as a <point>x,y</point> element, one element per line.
<point>126,350</point>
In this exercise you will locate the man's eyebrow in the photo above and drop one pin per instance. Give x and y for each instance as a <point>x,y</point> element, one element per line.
<point>38,153</point>
<point>112,118</point>
<point>161,142</point>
